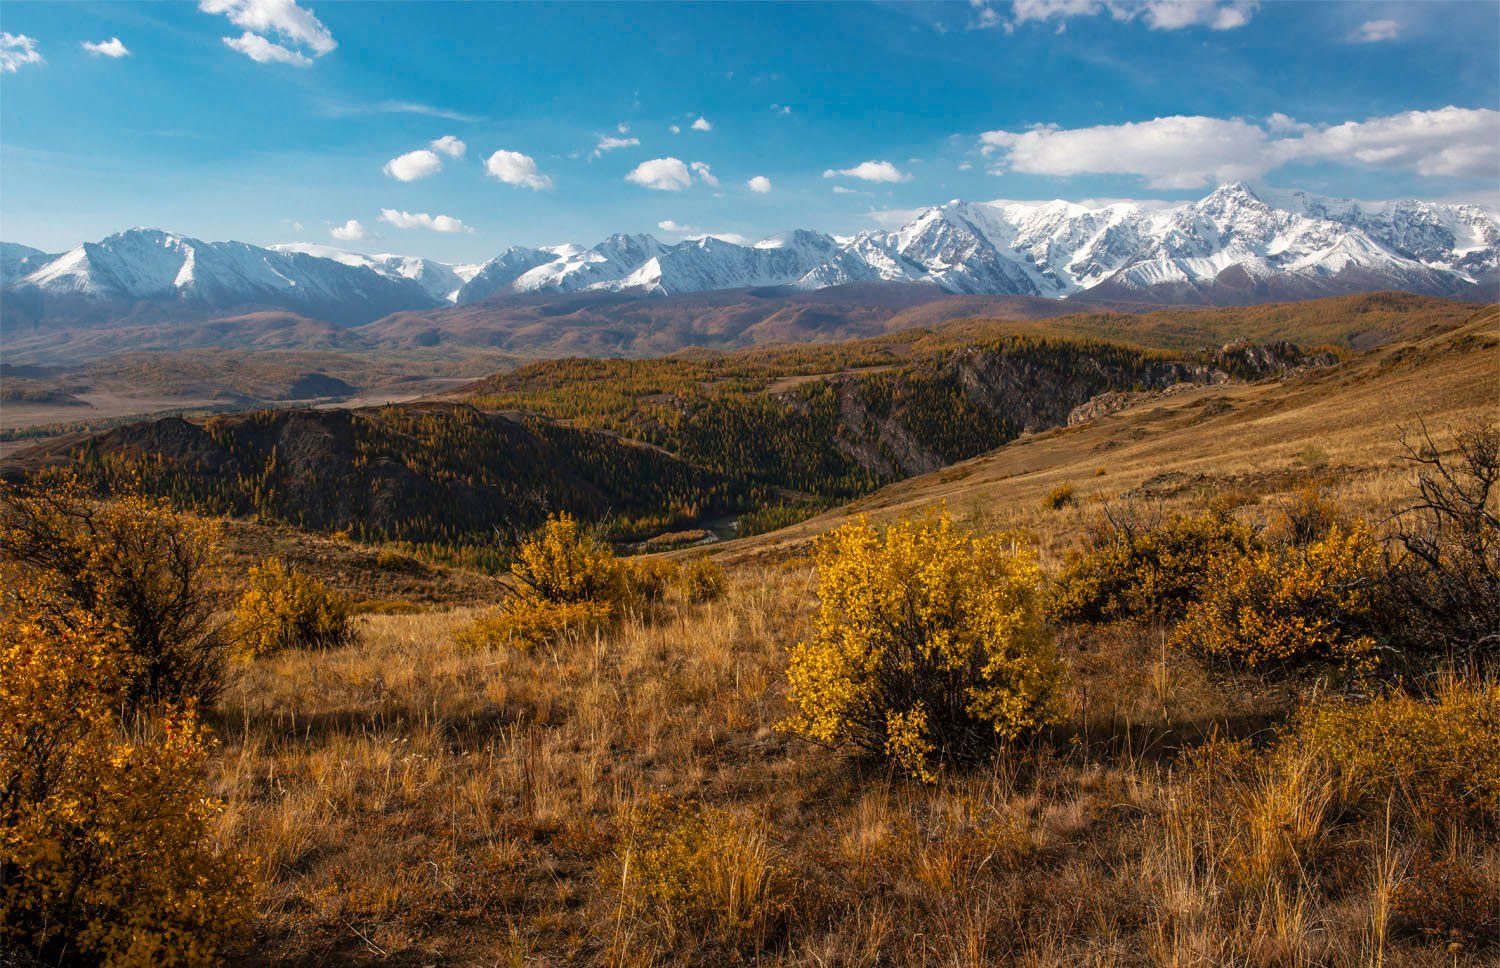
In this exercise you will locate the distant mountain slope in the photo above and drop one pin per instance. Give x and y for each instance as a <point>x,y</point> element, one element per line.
<point>1233,247</point>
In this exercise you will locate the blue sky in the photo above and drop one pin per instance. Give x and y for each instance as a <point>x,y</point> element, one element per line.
<point>184,129</point>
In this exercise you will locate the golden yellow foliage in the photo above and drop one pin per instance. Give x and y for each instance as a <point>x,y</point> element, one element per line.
<point>284,609</point>
<point>1280,607</point>
<point>133,564</point>
<point>929,643</point>
<point>1134,569</point>
<point>564,564</point>
<point>702,870</point>
<point>1440,755</point>
<point>106,855</point>
<point>527,623</point>
<point>701,579</point>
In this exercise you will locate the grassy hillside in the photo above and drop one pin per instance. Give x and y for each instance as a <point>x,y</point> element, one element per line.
<point>629,792</point>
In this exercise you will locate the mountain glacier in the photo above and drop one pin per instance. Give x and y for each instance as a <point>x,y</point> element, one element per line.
<point>1236,245</point>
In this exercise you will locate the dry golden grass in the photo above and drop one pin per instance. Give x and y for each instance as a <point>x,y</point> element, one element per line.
<point>411,802</point>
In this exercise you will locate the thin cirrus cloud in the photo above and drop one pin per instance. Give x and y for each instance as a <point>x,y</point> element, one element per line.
<point>414,165</point>
<point>350,231</point>
<point>17,50</point>
<point>1156,14</point>
<point>1194,151</point>
<point>760,184</point>
<point>1375,31</point>
<point>421,220</point>
<point>612,143</point>
<point>515,168</point>
<point>107,48</point>
<point>870,171</point>
<point>297,31</point>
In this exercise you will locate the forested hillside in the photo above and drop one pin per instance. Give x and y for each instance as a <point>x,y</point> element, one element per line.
<point>421,472</point>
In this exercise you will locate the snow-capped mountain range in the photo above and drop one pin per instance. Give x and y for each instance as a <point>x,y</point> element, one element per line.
<point>1233,246</point>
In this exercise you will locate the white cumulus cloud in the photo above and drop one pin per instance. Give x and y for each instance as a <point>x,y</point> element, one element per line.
<point>1374,31</point>
<point>16,50</point>
<point>421,220</point>
<point>1194,151</point>
<point>662,175</point>
<point>702,125</point>
<point>296,29</point>
<point>517,169</point>
<point>350,231</point>
<point>107,48</point>
<point>667,225</point>
<point>870,171</point>
<point>450,146</point>
<point>1463,142</point>
<point>760,184</point>
<point>674,128</point>
<point>414,165</point>
<point>1175,152</point>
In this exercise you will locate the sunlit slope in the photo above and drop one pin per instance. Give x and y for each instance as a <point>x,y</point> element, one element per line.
<point>1340,426</point>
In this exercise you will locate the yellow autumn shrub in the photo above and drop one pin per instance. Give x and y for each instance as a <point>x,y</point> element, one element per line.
<point>929,644</point>
<point>1278,608</point>
<point>563,563</point>
<point>284,609</point>
<point>529,623</point>
<point>688,868</point>
<point>106,849</point>
<point>701,580</point>
<point>1133,568</point>
<point>131,563</point>
<point>1438,756</point>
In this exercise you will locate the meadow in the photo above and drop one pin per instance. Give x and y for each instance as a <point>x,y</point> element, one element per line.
<point>631,761</point>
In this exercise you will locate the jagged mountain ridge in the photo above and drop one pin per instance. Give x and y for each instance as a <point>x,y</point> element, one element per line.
<point>1233,246</point>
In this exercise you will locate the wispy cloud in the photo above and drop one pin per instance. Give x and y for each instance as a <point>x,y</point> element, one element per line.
<point>17,50</point>
<point>611,143</point>
<point>1375,31</point>
<point>1156,14</point>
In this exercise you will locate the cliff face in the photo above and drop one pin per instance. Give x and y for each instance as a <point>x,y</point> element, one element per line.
<point>918,419</point>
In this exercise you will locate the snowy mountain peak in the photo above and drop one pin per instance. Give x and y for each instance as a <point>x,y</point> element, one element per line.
<point>1236,244</point>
